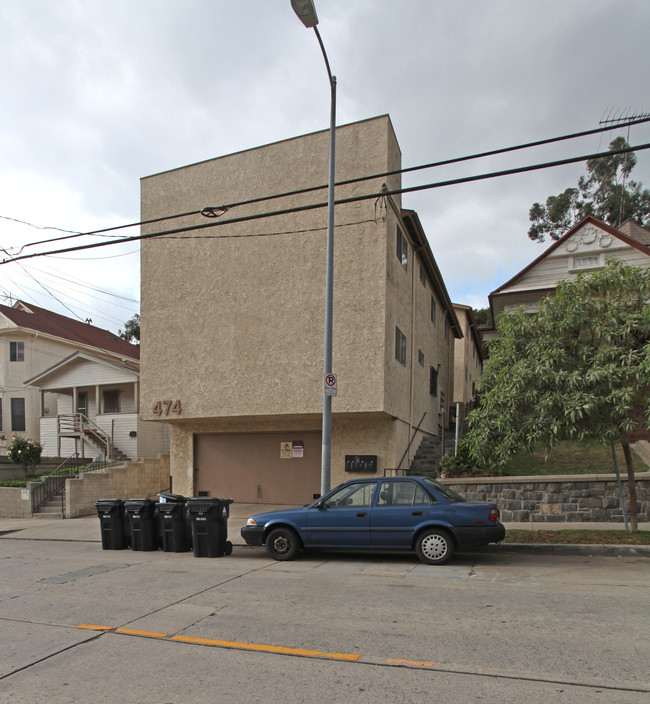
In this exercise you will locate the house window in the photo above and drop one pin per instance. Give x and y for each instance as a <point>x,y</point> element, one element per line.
<point>591,261</point>
<point>402,249</point>
<point>433,310</point>
<point>400,346</point>
<point>112,401</point>
<point>423,276</point>
<point>17,414</point>
<point>433,381</point>
<point>421,358</point>
<point>0,413</point>
<point>16,351</point>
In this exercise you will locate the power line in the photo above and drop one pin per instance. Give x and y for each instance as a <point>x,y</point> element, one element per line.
<point>217,211</point>
<point>342,201</point>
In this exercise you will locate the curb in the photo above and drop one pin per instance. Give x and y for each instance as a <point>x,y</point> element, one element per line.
<point>568,549</point>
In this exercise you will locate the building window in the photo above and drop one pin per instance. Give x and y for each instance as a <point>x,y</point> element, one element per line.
<point>400,346</point>
<point>433,381</point>
<point>402,249</point>
<point>17,414</point>
<point>16,351</point>
<point>421,358</point>
<point>423,276</point>
<point>590,261</point>
<point>0,413</point>
<point>112,401</point>
<point>433,310</point>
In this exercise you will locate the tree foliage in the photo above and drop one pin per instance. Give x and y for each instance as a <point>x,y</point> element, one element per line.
<point>26,453</point>
<point>606,192</point>
<point>483,317</point>
<point>577,369</point>
<point>131,332</point>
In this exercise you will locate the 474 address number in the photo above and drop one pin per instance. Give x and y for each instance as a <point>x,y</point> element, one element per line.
<point>164,408</point>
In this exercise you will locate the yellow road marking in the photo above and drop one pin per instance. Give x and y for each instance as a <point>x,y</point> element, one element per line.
<point>90,627</point>
<point>133,632</point>
<point>415,663</point>
<point>266,648</point>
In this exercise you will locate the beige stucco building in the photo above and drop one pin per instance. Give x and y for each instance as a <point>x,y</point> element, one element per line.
<point>468,364</point>
<point>233,317</point>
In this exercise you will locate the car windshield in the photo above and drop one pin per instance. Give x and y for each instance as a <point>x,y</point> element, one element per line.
<point>444,490</point>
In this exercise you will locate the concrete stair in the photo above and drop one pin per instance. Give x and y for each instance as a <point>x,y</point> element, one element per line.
<point>429,453</point>
<point>51,508</point>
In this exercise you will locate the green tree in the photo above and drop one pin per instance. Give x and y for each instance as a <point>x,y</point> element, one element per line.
<point>25,452</point>
<point>605,192</point>
<point>579,368</point>
<point>483,317</point>
<point>131,331</point>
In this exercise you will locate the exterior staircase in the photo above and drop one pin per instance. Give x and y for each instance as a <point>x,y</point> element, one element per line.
<point>54,507</point>
<point>429,453</point>
<point>79,426</point>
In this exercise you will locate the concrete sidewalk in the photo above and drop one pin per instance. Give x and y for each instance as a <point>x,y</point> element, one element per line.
<point>87,529</point>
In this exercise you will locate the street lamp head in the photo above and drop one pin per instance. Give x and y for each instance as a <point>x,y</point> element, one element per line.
<point>306,11</point>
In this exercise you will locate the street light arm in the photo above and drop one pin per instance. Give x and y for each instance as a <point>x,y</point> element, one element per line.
<point>327,63</point>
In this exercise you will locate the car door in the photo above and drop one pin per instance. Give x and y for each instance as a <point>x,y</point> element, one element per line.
<point>342,520</point>
<point>401,505</point>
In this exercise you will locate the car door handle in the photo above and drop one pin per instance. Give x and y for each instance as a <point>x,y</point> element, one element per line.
<point>416,513</point>
<point>361,515</point>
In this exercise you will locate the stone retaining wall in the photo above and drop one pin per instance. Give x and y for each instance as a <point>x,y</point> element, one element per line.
<point>567,499</point>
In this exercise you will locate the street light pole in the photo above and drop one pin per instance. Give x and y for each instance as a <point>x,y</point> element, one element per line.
<point>306,11</point>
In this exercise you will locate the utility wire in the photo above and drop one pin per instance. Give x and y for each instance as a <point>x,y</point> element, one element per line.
<point>342,201</point>
<point>217,211</point>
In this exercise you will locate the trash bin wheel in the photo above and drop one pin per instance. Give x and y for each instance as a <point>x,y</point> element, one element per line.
<point>228,548</point>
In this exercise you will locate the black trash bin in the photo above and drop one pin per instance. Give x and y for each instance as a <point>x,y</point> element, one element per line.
<point>143,524</point>
<point>209,518</point>
<point>175,528</point>
<point>111,519</point>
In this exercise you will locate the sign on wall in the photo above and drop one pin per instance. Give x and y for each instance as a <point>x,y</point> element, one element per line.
<point>292,450</point>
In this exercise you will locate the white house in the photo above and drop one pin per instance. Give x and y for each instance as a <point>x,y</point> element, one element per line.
<point>73,386</point>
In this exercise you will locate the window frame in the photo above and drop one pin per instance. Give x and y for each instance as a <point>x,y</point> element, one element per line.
<point>433,381</point>
<point>117,393</point>
<point>16,415</point>
<point>16,351</point>
<point>402,249</point>
<point>400,346</point>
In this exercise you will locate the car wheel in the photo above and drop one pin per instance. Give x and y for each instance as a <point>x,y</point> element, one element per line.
<point>434,547</point>
<point>282,544</point>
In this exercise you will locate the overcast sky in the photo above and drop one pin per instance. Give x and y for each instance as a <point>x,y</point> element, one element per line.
<point>97,94</point>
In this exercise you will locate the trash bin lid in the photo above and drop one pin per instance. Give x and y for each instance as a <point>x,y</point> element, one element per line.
<point>168,497</point>
<point>208,504</point>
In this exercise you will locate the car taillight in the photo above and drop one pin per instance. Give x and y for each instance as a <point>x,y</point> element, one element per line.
<point>494,515</point>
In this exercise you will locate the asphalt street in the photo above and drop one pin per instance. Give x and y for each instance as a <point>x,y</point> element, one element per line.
<point>82,624</point>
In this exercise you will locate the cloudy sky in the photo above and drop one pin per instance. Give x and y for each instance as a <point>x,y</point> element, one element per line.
<point>97,94</point>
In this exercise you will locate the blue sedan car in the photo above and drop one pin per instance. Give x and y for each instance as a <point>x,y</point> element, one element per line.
<point>386,513</point>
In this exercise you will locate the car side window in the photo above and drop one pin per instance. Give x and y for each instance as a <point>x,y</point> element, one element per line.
<point>355,496</point>
<point>400,493</point>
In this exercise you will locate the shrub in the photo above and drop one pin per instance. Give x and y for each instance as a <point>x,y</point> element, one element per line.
<point>25,452</point>
<point>463,465</point>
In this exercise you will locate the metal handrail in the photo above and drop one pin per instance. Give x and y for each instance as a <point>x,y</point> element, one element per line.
<point>81,424</point>
<point>55,480</point>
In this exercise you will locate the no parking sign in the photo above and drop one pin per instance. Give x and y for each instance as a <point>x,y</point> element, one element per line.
<point>330,386</point>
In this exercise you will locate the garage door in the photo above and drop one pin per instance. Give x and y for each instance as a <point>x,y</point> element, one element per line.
<point>282,468</point>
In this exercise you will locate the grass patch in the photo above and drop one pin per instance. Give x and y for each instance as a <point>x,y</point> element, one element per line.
<point>571,458</point>
<point>579,537</point>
